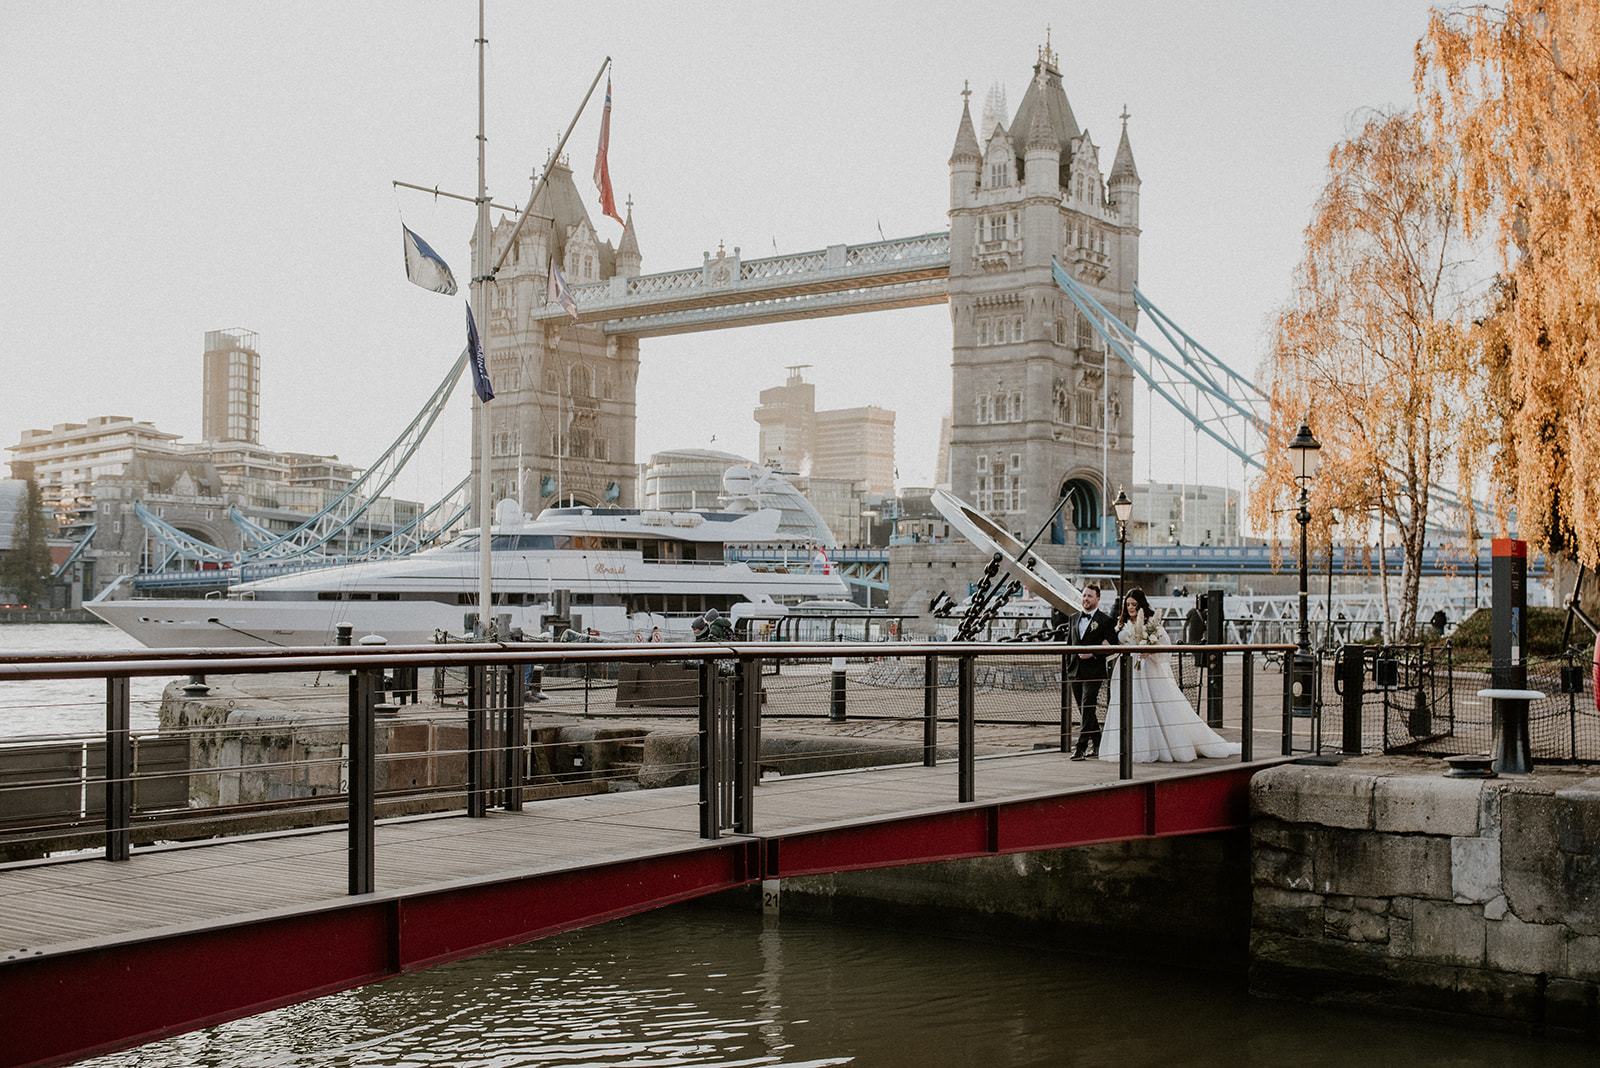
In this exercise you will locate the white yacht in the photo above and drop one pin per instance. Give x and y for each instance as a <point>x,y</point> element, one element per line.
<point>611,573</point>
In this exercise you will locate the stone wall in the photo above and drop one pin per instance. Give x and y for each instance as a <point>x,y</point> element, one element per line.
<point>1179,901</point>
<point>1391,885</point>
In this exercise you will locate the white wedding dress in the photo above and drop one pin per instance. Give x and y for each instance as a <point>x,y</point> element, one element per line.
<point>1165,726</point>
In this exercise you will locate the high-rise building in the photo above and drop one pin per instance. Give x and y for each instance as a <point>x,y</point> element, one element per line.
<point>231,394</point>
<point>850,444</point>
<point>1038,411</point>
<point>788,422</point>
<point>856,444</point>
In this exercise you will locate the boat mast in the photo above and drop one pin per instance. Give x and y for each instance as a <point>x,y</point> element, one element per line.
<point>480,312</point>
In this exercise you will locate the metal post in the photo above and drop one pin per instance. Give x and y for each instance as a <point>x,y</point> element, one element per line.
<point>362,798</point>
<point>710,742</point>
<point>1247,699</point>
<point>1125,714</point>
<point>516,739</point>
<point>836,709</point>
<point>966,733</point>
<point>1303,685</point>
<point>930,711</point>
<point>747,745</point>
<point>1122,564</point>
<point>1350,669</point>
<point>477,778</point>
<point>1288,709</point>
<point>119,769</point>
<point>1215,635</point>
<point>1066,705</point>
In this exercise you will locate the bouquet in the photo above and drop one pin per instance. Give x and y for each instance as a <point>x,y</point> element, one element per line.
<point>1146,630</point>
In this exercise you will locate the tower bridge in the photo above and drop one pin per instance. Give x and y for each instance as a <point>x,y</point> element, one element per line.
<point>1037,404</point>
<point>729,291</point>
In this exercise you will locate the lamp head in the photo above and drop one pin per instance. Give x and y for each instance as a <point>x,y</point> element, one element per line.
<point>1122,506</point>
<point>1305,455</point>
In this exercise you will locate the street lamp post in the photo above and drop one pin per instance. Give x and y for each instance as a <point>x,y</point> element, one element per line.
<point>1124,510</point>
<point>1305,455</point>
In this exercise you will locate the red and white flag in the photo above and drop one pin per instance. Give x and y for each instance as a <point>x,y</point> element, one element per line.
<point>602,170</point>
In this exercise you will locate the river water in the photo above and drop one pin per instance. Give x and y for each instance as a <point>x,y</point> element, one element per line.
<point>68,706</point>
<point>693,986</point>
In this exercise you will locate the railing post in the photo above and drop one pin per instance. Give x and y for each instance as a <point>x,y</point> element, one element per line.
<point>362,797</point>
<point>477,777</point>
<point>1066,706</point>
<point>930,711</point>
<point>747,744</point>
<point>836,707</point>
<point>119,769</point>
<point>1247,698</point>
<point>1216,634</point>
<point>516,739</point>
<point>710,747</point>
<point>967,732</point>
<point>1288,705</point>
<point>1214,689</point>
<point>1125,715</point>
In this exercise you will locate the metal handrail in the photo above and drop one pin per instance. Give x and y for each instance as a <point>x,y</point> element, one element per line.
<point>729,715</point>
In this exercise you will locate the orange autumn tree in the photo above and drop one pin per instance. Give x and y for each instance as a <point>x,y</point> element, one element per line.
<point>1372,350</point>
<point>1518,89</point>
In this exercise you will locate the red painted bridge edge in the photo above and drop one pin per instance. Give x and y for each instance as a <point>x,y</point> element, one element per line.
<point>59,1008</point>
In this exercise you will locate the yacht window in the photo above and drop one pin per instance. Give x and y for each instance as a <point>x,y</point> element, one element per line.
<point>524,542</point>
<point>327,595</point>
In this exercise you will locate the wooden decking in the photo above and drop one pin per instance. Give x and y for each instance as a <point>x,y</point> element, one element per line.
<point>62,906</point>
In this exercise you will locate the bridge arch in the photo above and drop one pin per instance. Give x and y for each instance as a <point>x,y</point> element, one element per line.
<point>1078,522</point>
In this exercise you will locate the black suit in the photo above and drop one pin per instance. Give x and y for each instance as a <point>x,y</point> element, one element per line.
<point>1087,674</point>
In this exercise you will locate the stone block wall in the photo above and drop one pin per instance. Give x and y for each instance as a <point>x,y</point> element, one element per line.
<point>1174,901</point>
<point>1390,885</point>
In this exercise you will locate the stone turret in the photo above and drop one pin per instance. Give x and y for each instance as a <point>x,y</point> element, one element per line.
<point>1123,185</point>
<point>628,258</point>
<point>966,159</point>
<point>1043,157</point>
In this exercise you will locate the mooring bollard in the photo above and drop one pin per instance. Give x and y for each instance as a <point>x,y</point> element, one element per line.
<point>341,637</point>
<point>1513,752</point>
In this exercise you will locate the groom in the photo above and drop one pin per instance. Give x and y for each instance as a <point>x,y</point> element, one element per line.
<point>1089,670</point>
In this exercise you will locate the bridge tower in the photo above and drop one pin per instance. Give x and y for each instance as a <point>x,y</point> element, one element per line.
<point>1037,409</point>
<point>563,414</point>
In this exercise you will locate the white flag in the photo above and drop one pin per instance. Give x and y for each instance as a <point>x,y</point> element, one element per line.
<point>425,267</point>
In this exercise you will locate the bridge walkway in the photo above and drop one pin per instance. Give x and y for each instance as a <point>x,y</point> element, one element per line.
<point>184,936</point>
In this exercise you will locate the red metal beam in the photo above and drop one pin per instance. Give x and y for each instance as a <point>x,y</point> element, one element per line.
<point>59,1008</point>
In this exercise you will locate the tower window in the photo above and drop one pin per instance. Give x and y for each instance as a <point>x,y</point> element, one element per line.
<point>999,174</point>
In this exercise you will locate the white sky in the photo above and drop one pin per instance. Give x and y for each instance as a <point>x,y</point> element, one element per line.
<point>173,168</point>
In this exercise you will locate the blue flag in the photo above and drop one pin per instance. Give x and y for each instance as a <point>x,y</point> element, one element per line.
<point>425,267</point>
<point>480,366</point>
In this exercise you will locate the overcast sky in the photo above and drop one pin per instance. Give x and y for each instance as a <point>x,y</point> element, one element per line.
<point>173,168</point>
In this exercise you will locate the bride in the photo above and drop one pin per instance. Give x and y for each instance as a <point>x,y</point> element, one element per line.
<point>1165,727</point>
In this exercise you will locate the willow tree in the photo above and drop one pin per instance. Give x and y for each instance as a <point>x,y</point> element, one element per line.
<point>1372,350</point>
<point>1518,89</point>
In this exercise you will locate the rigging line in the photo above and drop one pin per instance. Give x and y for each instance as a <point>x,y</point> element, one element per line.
<point>247,634</point>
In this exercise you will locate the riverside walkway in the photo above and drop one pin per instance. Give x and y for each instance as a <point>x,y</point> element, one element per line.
<point>98,954</point>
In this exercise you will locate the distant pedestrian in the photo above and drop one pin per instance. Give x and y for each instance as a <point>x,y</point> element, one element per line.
<point>1439,622</point>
